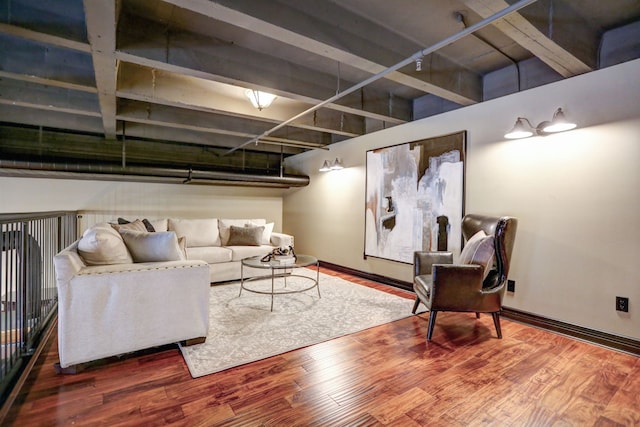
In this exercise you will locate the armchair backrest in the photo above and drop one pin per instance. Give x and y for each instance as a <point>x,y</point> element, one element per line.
<point>503,230</point>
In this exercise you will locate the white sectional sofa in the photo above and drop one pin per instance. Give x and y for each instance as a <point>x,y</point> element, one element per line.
<point>218,242</point>
<point>123,288</point>
<point>107,310</point>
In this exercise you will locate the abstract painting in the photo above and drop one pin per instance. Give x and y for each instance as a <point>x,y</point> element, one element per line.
<point>415,197</point>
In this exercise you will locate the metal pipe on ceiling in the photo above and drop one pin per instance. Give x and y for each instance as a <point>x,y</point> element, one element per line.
<point>418,55</point>
<point>93,171</point>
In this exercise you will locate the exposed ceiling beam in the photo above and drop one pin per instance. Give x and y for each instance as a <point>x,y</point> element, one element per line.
<point>148,43</point>
<point>47,81</point>
<point>44,38</point>
<point>297,31</point>
<point>30,115</point>
<point>163,133</point>
<point>528,36</point>
<point>156,86</point>
<point>101,30</point>
<point>32,95</point>
<point>160,115</point>
<point>36,59</point>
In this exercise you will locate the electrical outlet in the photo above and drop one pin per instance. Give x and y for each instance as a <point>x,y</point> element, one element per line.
<point>622,304</point>
<point>511,285</point>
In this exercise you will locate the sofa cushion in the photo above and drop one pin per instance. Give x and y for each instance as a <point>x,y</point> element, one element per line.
<point>242,252</point>
<point>209,254</point>
<point>152,247</point>
<point>199,232</point>
<point>159,224</point>
<point>225,226</point>
<point>245,236</point>
<point>102,245</point>
<point>479,250</point>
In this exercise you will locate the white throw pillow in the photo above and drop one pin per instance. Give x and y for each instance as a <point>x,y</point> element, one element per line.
<point>479,250</point>
<point>102,245</point>
<point>266,234</point>
<point>199,232</point>
<point>153,247</point>
<point>225,226</point>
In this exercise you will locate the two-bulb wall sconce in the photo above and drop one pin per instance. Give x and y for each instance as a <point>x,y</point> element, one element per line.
<point>331,166</point>
<point>524,129</point>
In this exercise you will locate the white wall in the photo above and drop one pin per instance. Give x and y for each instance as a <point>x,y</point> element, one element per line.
<point>576,195</point>
<point>108,200</point>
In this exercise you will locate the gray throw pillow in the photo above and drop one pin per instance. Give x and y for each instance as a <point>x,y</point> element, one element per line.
<point>153,247</point>
<point>245,236</point>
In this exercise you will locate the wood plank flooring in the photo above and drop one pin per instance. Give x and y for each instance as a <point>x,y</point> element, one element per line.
<point>388,375</point>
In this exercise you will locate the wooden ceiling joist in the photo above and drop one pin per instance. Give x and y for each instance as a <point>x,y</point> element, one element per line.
<point>528,36</point>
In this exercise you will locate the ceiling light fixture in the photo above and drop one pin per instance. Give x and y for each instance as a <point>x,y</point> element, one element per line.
<point>259,99</point>
<point>524,129</point>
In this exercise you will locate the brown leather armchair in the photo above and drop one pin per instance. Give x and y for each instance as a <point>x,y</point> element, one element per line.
<point>443,286</point>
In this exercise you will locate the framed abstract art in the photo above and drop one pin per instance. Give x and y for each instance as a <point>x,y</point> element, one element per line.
<point>415,197</point>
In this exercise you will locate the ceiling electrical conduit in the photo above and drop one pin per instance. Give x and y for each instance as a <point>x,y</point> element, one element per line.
<point>418,55</point>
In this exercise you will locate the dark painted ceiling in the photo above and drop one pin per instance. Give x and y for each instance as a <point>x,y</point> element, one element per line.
<point>147,83</point>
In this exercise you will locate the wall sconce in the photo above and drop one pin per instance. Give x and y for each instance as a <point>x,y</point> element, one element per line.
<point>331,166</point>
<point>259,99</point>
<point>524,129</point>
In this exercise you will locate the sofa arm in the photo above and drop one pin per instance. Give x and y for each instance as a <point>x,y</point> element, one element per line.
<point>67,263</point>
<point>281,240</point>
<point>102,313</point>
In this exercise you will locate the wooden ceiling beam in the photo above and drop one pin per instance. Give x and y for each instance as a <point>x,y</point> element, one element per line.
<point>523,32</point>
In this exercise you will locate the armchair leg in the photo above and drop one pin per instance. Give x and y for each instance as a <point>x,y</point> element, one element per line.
<point>432,323</point>
<point>415,305</point>
<point>477,315</point>
<point>496,322</point>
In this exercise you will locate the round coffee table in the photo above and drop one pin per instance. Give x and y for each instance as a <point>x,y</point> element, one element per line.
<point>280,270</point>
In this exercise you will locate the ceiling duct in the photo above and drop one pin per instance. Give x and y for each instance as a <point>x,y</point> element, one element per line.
<point>97,172</point>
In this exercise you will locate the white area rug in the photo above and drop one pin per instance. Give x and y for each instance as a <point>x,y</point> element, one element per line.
<point>243,330</point>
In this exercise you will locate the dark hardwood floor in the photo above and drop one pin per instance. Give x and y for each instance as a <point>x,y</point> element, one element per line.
<point>388,375</point>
